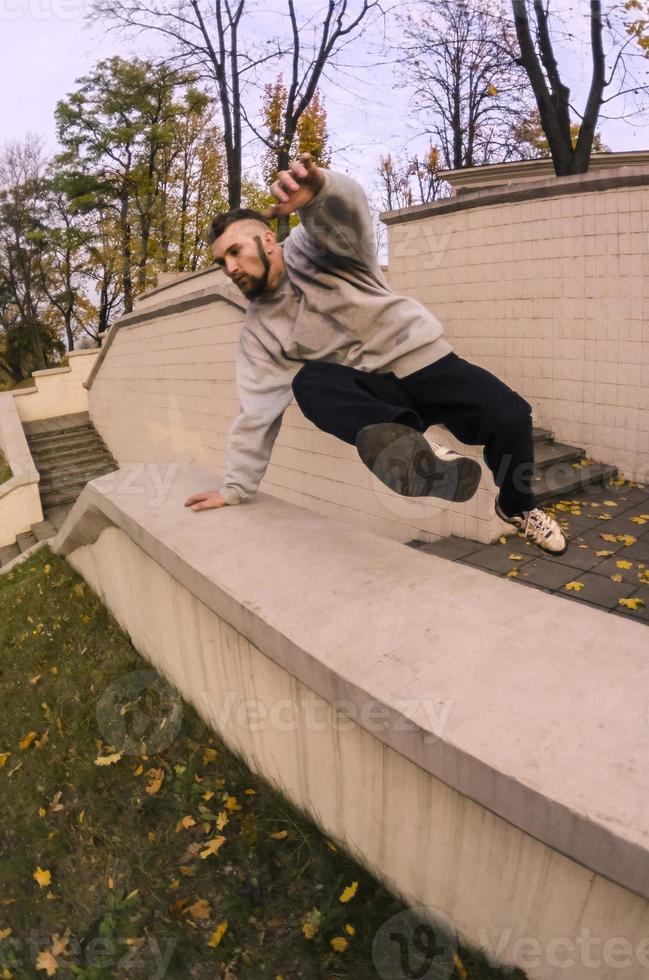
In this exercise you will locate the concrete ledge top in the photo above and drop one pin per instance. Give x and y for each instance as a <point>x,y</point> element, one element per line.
<point>14,446</point>
<point>534,706</point>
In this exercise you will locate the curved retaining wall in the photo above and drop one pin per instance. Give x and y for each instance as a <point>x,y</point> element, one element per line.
<point>546,285</point>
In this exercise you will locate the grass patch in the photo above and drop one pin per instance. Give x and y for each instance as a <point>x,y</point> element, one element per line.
<point>5,469</point>
<point>119,869</point>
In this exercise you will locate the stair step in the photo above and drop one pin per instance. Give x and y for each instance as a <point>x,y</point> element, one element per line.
<point>73,479</point>
<point>540,435</point>
<point>548,453</point>
<point>8,553</point>
<point>61,499</point>
<point>80,442</point>
<point>562,479</point>
<point>25,540</point>
<point>72,461</point>
<point>37,438</point>
<point>43,530</point>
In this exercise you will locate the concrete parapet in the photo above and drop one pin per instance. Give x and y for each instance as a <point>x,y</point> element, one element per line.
<point>485,753</point>
<point>20,504</point>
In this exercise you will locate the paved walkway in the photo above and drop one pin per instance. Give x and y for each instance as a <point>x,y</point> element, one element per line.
<point>607,561</point>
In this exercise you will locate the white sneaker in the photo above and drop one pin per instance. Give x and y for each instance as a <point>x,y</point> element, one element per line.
<point>541,529</point>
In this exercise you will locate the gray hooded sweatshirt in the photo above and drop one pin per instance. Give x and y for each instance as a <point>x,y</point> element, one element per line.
<point>332,304</point>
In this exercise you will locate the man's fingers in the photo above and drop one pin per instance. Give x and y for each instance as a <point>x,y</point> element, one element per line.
<point>195,498</point>
<point>298,169</point>
<point>287,182</point>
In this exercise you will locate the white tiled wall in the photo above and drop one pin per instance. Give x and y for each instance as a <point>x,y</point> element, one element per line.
<point>552,296</point>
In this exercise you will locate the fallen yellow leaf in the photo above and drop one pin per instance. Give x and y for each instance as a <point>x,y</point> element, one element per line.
<point>623,563</point>
<point>574,586</point>
<point>626,539</point>
<point>185,822</point>
<point>4,934</point>
<point>212,846</point>
<point>3,758</point>
<point>617,578</point>
<point>221,820</point>
<point>156,779</point>
<point>279,835</point>
<point>339,944</point>
<point>108,760</point>
<point>200,909</point>
<point>42,876</point>
<point>27,740</point>
<point>218,934</point>
<point>311,923</point>
<point>631,603</point>
<point>515,557</point>
<point>349,892</point>
<point>45,961</point>
<point>512,573</point>
<point>231,803</point>
<point>603,554</point>
<point>349,929</point>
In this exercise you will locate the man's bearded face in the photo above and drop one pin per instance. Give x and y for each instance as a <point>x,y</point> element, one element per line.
<point>239,251</point>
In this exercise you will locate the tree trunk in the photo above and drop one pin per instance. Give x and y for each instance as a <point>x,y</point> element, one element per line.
<point>127,280</point>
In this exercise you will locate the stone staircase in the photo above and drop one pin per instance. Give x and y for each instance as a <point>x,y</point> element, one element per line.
<point>560,469</point>
<point>67,452</point>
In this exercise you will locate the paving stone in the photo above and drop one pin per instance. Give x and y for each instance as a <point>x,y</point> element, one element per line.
<point>626,496</point>
<point>609,567</point>
<point>593,540</point>
<point>600,591</point>
<point>452,547</point>
<point>638,551</point>
<point>547,573</point>
<point>642,614</point>
<point>495,558</point>
<point>582,558</point>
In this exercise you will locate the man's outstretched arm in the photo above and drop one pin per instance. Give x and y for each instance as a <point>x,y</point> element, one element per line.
<point>265,391</point>
<point>332,208</point>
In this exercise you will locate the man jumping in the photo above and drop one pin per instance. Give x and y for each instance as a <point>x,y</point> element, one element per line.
<point>363,363</point>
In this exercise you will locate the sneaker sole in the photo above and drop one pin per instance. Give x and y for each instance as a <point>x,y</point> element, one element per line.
<point>400,457</point>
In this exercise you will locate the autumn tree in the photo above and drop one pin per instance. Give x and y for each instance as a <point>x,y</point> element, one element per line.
<point>411,180</point>
<point>29,340</point>
<point>537,32</point>
<point>468,90</point>
<point>533,142</point>
<point>311,135</point>
<point>218,40</point>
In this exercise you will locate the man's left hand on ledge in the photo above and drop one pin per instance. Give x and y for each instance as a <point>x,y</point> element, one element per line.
<point>206,501</point>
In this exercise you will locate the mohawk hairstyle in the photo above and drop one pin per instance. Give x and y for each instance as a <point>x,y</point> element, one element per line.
<point>225,218</point>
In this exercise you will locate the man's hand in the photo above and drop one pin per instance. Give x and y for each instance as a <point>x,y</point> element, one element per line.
<point>296,186</point>
<point>206,501</point>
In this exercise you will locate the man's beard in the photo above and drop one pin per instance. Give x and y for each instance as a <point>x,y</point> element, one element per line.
<point>253,286</point>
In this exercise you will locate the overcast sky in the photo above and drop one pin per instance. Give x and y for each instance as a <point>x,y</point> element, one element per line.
<point>46,45</point>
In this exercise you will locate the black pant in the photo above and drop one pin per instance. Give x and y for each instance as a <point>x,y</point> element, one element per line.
<point>474,405</point>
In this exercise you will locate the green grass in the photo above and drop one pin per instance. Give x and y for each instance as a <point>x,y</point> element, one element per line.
<point>5,470</point>
<point>126,879</point>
